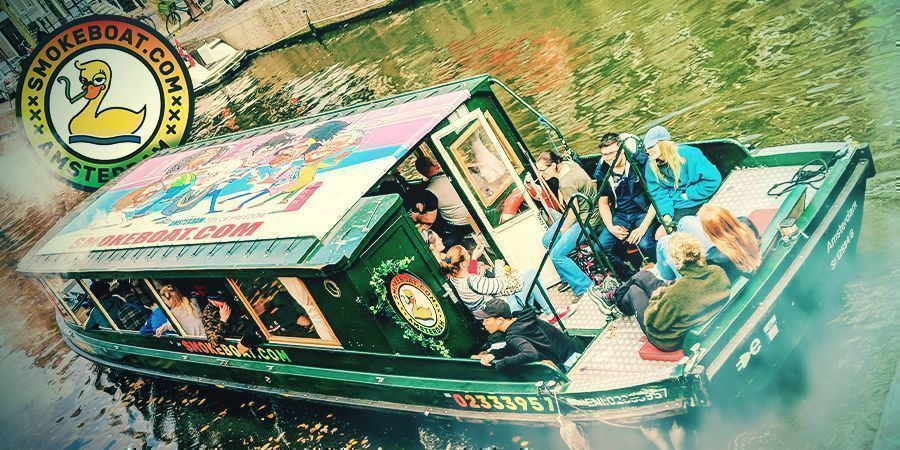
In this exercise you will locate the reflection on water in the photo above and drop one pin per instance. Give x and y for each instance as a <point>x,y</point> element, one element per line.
<point>765,72</point>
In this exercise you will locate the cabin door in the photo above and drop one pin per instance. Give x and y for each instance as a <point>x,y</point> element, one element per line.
<point>490,174</point>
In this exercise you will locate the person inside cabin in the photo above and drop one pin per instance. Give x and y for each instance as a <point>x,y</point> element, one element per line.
<point>664,311</point>
<point>572,180</point>
<point>132,311</point>
<point>729,242</point>
<point>520,338</point>
<point>626,214</point>
<point>423,211</point>
<point>679,177</point>
<point>186,312</point>
<point>103,294</point>
<point>453,223</point>
<point>475,289</point>
<point>222,318</point>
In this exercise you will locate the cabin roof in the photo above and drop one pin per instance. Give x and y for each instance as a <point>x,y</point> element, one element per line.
<point>284,188</point>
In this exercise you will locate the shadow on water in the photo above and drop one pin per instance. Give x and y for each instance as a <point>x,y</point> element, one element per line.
<point>767,73</point>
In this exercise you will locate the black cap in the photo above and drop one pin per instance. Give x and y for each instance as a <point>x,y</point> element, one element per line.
<point>496,307</point>
<point>428,200</point>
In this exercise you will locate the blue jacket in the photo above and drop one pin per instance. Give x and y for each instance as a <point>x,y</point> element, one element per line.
<point>157,319</point>
<point>698,182</point>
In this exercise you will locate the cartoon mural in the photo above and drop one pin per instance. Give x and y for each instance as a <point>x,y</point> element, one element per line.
<point>254,183</point>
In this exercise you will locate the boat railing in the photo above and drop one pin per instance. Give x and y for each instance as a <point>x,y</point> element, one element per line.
<point>587,232</point>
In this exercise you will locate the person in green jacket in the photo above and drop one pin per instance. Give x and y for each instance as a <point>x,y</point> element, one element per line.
<point>666,312</point>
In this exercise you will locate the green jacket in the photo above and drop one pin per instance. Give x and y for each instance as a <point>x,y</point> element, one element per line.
<point>691,301</point>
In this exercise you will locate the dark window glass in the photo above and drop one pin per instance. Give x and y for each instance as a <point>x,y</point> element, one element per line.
<point>280,314</point>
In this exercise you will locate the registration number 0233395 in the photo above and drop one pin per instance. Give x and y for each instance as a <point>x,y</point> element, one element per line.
<point>512,403</point>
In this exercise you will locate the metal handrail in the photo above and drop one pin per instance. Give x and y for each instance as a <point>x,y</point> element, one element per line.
<point>587,231</point>
<point>548,126</point>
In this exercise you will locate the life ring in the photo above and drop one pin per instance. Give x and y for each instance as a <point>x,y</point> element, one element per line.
<point>513,202</point>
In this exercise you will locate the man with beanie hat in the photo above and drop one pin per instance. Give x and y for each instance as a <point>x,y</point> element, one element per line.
<point>525,338</point>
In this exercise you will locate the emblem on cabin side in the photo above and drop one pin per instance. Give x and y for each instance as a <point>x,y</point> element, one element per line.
<point>101,94</point>
<point>417,304</point>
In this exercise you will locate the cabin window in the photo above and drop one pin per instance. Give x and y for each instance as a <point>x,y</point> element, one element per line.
<point>106,316</point>
<point>285,310</point>
<point>129,304</point>
<point>199,292</point>
<point>482,161</point>
<point>181,300</point>
<point>72,297</point>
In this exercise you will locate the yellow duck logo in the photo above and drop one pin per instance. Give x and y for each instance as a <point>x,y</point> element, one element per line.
<point>93,125</point>
<point>418,311</point>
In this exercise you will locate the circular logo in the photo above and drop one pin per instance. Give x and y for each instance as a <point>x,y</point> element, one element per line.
<point>101,94</point>
<point>417,304</point>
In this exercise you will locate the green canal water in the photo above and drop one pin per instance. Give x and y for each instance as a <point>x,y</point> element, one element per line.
<point>767,73</point>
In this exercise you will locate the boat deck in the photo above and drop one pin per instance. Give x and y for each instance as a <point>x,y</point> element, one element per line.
<point>612,360</point>
<point>746,190</point>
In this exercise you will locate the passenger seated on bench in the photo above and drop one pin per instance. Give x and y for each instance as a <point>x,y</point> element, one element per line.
<point>572,179</point>
<point>476,289</point>
<point>730,243</point>
<point>521,338</point>
<point>102,293</point>
<point>679,177</point>
<point>423,211</point>
<point>453,225</point>
<point>623,207</point>
<point>666,312</point>
<point>132,312</point>
<point>222,318</point>
<point>185,311</point>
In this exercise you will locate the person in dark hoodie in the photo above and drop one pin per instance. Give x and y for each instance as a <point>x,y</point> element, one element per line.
<point>525,338</point>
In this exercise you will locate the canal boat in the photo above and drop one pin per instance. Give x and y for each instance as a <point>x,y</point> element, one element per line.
<point>303,225</point>
<point>213,63</point>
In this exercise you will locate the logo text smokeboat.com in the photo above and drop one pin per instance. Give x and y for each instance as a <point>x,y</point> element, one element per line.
<point>229,230</point>
<point>263,354</point>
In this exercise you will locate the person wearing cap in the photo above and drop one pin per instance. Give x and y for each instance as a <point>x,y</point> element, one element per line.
<point>679,177</point>
<point>624,209</point>
<point>521,338</point>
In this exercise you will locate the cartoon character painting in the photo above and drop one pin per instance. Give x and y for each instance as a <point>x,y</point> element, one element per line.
<point>92,124</point>
<point>321,147</point>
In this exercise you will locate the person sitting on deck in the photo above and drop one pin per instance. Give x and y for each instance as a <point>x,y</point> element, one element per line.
<point>624,209</point>
<point>679,177</point>
<point>475,289</point>
<point>572,179</point>
<point>219,322</point>
<point>453,225</point>
<point>667,312</point>
<point>102,293</point>
<point>521,338</point>
<point>730,243</point>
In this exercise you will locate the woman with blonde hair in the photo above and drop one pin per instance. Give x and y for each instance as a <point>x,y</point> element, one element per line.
<point>475,289</point>
<point>186,312</point>
<point>666,312</point>
<point>679,177</point>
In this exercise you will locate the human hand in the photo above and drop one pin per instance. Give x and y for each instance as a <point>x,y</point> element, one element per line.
<point>619,232</point>
<point>636,235</point>
<point>478,252</point>
<point>224,312</point>
<point>159,331</point>
<point>486,359</point>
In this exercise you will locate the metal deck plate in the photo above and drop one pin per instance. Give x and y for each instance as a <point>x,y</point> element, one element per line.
<point>612,360</point>
<point>586,316</point>
<point>745,190</point>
